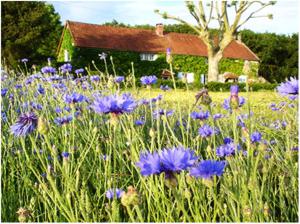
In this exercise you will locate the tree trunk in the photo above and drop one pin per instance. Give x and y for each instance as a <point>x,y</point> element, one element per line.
<point>213,67</point>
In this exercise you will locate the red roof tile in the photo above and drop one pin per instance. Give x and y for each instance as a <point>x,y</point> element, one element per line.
<point>141,40</point>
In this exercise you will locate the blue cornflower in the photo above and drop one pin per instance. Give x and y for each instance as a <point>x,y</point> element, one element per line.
<point>115,104</point>
<point>66,68</point>
<point>25,124</point>
<point>202,115</point>
<point>155,99</point>
<point>119,79</point>
<point>207,131</point>
<point>36,106</point>
<point>161,112</point>
<point>165,88</point>
<point>228,149</point>
<point>177,159</point>
<point>3,116</point>
<point>48,69</point>
<point>18,86</point>
<point>74,98</point>
<point>149,163</point>
<point>65,155</point>
<point>208,168</point>
<point>148,80</point>
<point>24,60</point>
<point>234,90</point>
<point>63,120</point>
<point>227,140</point>
<point>289,88</point>
<point>95,78</point>
<point>4,91</point>
<point>255,137</point>
<point>139,122</point>
<point>114,192</point>
<point>226,104</point>
<point>217,116</point>
<point>79,71</point>
<point>40,89</point>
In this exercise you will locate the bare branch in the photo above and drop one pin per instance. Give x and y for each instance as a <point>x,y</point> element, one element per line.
<point>210,14</point>
<point>224,15</point>
<point>166,16</point>
<point>252,15</point>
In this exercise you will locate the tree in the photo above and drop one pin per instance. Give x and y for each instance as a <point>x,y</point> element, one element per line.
<point>218,10</point>
<point>29,30</point>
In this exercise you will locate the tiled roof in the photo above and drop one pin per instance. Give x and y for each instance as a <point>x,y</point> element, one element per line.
<point>141,40</point>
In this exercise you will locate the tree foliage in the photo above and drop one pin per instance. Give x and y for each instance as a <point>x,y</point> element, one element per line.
<point>29,30</point>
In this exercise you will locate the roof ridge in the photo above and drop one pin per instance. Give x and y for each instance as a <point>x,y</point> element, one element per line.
<point>116,27</point>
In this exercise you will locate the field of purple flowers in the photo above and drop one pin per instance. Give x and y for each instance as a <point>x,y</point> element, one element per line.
<point>98,149</point>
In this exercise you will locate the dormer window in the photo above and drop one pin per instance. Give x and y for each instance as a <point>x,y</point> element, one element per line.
<point>148,57</point>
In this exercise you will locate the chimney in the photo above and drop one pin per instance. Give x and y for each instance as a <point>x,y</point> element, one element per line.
<point>159,30</point>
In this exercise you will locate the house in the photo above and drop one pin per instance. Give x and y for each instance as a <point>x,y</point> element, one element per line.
<point>82,41</point>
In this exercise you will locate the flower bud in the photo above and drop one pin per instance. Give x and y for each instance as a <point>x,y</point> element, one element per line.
<point>152,133</point>
<point>23,214</point>
<point>187,194</point>
<point>131,197</point>
<point>43,126</point>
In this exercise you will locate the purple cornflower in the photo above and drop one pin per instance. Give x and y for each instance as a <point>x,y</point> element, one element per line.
<point>149,163</point>
<point>63,120</point>
<point>3,116</point>
<point>228,149</point>
<point>114,192</point>
<point>227,104</point>
<point>289,88</point>
<point>165,88</point>
<point>25,124</point>
<point>18,86</point>
<point>207,131</point>
<point>158,98</point>
<point>177,159</point>
<point>40,89</point>
<point>95,78</point>
<point>79,71</point>
<point>255,137</point>
<point>4,91</point>
<point>200,115</point>
<point>66,68</point>
<point>65,155</point>
<point>115,104</point>
<point>217,116</point>
<point>24,60</point>
<point>74,98</point>
<point>148,80</point>
<point>208,168</point>
<point>119,79</point>
<point>161,112</point>
<point>48,69</point>
<point>227,140</point>
<point>139,122</point>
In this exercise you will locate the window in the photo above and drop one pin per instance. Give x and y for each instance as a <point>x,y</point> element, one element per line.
<point>148,57</point>
<point>66,55</point>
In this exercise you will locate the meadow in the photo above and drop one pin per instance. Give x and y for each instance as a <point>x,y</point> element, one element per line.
<point>83,150</point>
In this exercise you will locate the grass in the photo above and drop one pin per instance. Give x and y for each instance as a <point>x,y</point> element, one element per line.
<point>259,186</point>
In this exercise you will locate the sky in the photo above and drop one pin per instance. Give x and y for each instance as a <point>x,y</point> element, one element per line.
<point>285,13</point>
